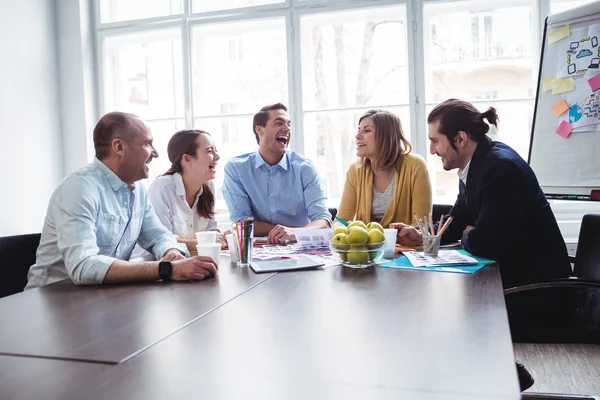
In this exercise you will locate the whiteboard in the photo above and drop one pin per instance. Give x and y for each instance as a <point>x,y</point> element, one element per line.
<point>568,166</point>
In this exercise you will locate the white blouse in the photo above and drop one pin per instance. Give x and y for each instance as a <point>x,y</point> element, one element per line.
<point>167,195</point>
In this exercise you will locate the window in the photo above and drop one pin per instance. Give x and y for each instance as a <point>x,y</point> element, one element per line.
<point>237,68</point>
<point>496,70</point>
<point>205,64</point>
<point>351,62</point>
<point>122,10</point>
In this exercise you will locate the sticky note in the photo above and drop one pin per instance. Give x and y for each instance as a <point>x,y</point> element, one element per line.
<point>560,108</point>
<point>547,84</point>
<point>564,129</point>
<point>563,85</point>
<point>595,82</point>
<point>559,34</point>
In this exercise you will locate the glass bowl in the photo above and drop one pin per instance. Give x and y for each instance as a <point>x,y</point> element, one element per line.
<point>357,256</point>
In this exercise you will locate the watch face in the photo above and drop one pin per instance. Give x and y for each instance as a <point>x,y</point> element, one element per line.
<point>165,270</point>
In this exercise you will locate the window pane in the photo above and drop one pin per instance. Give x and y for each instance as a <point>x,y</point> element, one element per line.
<point>162,132</point>
<point>239,67</point>
<point>557,6</point>
<point>143,74</point>
<point>514,129</point>
<point>478,55</point>
<point>233,136</point>
<point>330,142</point>
<point>212,5</point>
<point>355,58</point>
<point>122,10</point>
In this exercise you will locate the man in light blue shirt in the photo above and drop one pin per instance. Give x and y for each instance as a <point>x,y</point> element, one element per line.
<point>279,188</point>
<point>99,212</point>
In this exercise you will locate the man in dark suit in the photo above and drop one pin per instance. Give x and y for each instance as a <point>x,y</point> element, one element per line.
<point>500,213</point>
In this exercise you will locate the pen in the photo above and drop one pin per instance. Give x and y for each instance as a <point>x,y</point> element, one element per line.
<point>341,221</point>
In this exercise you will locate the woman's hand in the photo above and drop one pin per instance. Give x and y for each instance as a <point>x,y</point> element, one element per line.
<point>408,235</point>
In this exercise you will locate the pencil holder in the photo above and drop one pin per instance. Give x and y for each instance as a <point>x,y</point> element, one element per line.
<point>431,245</point>
<point>245,237</point>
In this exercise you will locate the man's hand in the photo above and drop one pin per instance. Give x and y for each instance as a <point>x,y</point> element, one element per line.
<point>194,269</point>
<point>172,255</point>
<point>467,229</point>
<point>407,235</point>
<point>221,240</point>
<point>280,234</point>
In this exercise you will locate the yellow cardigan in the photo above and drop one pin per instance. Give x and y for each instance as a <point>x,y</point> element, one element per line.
<point>412,193</point>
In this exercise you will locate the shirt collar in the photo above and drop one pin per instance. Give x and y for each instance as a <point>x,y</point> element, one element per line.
<point>180,187</point>
<point>115,182</point>
<point>259,161</point>
<point>462,174</point>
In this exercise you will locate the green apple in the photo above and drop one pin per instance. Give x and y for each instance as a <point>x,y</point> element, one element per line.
<point>375,236</point>
<point>357,223</point>
<point>358,255</point>
<point>374,225</point>
<point>339,242</point>
<point>357,236</point>
<point>340,229</point>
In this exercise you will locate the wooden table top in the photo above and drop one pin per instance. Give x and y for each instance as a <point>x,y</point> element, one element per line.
<point>111,323</point>
<point>329,334</point>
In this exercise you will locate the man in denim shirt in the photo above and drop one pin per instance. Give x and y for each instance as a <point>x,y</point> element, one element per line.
<point>99,212</point>
<point>279,188</point>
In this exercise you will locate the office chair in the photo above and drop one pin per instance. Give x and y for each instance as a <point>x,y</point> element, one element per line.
<point>585,327</point>
<point>439,210</point>
<point>333,212</point>
<point>17,254</point>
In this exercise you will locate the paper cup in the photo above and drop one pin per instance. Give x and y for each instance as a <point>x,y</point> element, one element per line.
<point>206,237</point>
<point>212,250</point>
<point>233,246</point>
<point>390,242</point>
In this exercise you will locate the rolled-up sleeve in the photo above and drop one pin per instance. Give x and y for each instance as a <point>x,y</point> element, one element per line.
<point>314,193</point>
<point>235,195</point>
<point>76,215</point>
<point>155,238</point>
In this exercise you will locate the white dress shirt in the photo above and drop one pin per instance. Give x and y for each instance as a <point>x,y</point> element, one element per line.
<point>167,195</point>
<point>462,174</point>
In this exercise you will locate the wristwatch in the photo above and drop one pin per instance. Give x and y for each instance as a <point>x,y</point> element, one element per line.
<point>165,270</point>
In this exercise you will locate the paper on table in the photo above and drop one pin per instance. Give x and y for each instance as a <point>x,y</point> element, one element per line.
<point>559,34</point>
<point>445,257</point>
<point>313,237</point>
<point>547,84</point>
<point>563,85</point>
<point>595,82</point>
<point>560,108</point>
<point>564,129</point>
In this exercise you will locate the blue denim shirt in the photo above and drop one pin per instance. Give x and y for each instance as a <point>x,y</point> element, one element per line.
<point>289,193</point>
<point>93,219</point>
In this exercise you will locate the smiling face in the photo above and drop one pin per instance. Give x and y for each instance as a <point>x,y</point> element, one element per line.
<point>202,166</point>
<point>440,146</point>
<point>366,144</point>
<point>138,152</point>
<point>275,135</point>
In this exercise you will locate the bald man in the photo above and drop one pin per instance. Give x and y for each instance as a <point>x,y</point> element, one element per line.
<point>99,212</point>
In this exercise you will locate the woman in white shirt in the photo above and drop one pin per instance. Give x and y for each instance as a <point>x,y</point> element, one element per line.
<point>183,197</point>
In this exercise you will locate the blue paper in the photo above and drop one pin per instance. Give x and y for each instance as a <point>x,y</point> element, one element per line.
<point>404,263</point>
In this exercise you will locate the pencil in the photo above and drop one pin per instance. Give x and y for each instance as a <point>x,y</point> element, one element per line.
<point>440,233</point>
<point>440,224</point>
<point>431,223</point>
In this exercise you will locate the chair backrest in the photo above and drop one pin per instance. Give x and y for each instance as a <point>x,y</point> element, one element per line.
<point>587,257</point>
<point>439,210</point>
<point>333,212</point>
<point>17,254</point>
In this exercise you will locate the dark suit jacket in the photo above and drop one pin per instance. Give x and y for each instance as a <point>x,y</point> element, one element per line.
<point>512,220</point>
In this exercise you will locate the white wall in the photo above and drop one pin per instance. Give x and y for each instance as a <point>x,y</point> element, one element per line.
<point>31,156</point>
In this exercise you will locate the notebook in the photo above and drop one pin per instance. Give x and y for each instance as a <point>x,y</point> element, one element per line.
<point>285,264</point>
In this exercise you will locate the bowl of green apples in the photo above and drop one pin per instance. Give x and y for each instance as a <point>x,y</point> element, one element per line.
<point>358,245</point>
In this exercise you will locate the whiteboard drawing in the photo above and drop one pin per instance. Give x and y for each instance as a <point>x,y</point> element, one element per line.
<point>581,52</point>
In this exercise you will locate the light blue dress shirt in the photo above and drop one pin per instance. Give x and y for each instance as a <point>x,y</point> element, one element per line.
<point>93,219</point>
<point>289,193</point>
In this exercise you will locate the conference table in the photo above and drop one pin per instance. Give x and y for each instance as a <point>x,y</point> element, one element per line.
<point>332,333</point>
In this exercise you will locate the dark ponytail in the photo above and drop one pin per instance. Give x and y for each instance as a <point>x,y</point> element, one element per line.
<point>457,115</point>
<point>185,142</point>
